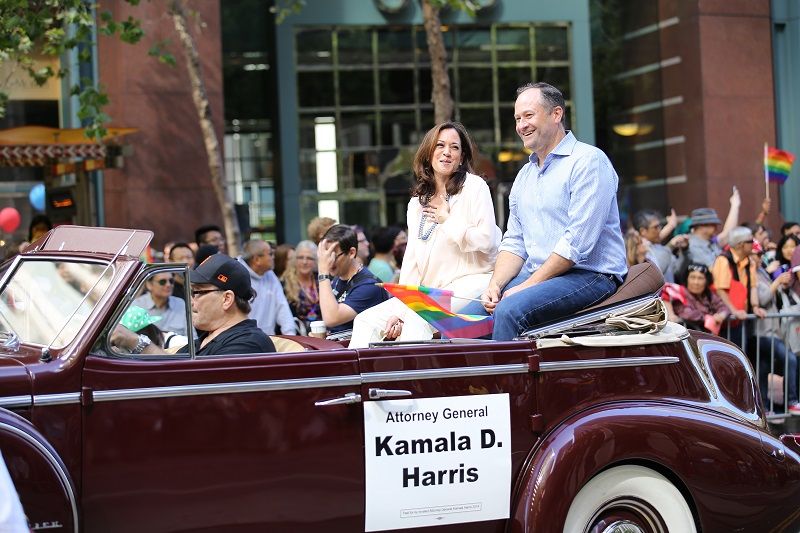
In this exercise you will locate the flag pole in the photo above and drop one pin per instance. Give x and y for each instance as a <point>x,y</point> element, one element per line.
<point>766,170</point>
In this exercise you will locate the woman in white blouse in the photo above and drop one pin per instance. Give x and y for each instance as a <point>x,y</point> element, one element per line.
<point>452,236</point>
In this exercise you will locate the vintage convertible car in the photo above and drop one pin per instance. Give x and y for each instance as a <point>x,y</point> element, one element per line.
<point>607,422</point>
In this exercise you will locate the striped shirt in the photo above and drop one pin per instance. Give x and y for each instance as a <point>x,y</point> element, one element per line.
<point>568,206</point>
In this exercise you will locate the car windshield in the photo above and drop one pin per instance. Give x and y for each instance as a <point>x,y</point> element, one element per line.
<point>47,302</point>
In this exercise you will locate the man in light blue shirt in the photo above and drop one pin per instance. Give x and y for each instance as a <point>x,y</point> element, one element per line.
<point>563,248</point>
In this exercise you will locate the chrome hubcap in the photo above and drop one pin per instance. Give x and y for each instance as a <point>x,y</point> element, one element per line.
<point>623,526</point>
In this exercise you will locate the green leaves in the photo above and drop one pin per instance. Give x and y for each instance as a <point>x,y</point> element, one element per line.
<point>159,51</point>
<point>54,28</point>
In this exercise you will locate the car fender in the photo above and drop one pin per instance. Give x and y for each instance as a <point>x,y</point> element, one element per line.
<point>42,481</point>
<point>703,453</point>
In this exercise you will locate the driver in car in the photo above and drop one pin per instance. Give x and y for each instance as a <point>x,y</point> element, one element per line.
<point>220,296</point>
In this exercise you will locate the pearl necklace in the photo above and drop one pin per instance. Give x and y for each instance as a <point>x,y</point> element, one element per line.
<point>423,233</point>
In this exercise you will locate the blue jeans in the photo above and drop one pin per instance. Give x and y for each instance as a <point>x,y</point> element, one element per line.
<point>555,298</point>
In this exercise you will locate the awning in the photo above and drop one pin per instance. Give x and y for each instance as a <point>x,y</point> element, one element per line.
<point>38,146</point>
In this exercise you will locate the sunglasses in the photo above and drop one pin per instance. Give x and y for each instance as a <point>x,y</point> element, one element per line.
<point>698,268</point>
<point>163,282</point>
<point>199,293</point>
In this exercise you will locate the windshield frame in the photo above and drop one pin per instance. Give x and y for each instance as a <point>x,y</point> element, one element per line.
<point>113,269</point>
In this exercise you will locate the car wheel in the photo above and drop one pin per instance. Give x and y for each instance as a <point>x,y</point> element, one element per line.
<point>629,499</point>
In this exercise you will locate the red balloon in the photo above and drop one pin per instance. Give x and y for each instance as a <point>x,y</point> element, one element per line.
<point>9,219</point>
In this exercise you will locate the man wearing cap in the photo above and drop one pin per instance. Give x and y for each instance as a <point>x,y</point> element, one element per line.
<point>220,297</point>
<point>736,265</point>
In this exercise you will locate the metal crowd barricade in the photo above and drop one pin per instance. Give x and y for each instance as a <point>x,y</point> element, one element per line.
<point>748,337</point>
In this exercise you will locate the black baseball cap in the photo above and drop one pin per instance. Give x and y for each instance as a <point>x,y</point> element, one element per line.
<point>224,272</point>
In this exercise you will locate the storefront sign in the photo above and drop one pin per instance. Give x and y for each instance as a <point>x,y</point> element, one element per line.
<point>437,461</point>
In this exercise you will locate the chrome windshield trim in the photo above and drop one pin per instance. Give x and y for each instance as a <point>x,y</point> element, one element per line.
<point>57,399</point>
<point>225,388</point>
<point>16,401</point>
<point>434,373</point>
<point>557,366</point>
<point>62,474</point>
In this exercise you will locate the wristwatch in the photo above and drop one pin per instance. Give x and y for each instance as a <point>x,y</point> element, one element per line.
<point>323,277</point>
<point>144,342</point>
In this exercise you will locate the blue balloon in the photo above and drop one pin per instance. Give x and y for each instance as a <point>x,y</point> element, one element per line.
<point>36,196</point>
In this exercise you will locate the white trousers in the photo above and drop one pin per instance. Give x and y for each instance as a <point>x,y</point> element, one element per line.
<point>370,324</point>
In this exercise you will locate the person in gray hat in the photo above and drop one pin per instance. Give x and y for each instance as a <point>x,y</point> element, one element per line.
<point>703,248</point>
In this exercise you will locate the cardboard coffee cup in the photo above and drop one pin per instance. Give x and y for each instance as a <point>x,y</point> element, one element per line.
<point>318,329</point>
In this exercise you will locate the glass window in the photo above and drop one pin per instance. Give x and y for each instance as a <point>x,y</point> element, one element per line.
<point>314,47</point>
<point>426,85</point>
<point>474,45</point>
<point>315,89</point>
<point>556,76</point>
<point>475,84</point>
<point>480,124</point>
<point>397,129</point>
<point>356,87</point>
<point>551,43</point>
<point>508,132</point>
<point>395,45</point>
<point>397,86</point>
<point>48,302</point>
<point>509,79</point>
<point>513,44</point>
<point>308,170</point>
<point>360,170</point>
<point>355,46</point>
<point>357,129</point>
<point>158,313</point>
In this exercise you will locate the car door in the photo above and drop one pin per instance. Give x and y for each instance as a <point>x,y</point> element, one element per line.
<point>434,416</point>
<point>264,442</point>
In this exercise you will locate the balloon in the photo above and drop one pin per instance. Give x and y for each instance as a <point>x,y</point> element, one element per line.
<point>9,219</point>
<point>36,196</point>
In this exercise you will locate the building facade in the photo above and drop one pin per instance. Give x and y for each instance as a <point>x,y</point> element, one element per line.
<point>322,114</point>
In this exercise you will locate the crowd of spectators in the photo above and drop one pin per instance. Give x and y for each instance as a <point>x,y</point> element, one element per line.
<point>735,279</point>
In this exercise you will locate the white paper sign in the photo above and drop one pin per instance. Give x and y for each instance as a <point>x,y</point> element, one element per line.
<point>437,461</point>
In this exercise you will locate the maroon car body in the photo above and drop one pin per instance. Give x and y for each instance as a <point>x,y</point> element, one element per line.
<point>97,441</point>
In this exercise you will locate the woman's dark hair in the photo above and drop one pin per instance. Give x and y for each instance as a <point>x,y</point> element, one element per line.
<point>425,186</point>
<point>703,269</point>
<point>383,241</point>
<point>779,255</point>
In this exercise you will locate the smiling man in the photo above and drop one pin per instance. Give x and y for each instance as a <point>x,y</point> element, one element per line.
<point>563,249</point>
<point>221,296</point>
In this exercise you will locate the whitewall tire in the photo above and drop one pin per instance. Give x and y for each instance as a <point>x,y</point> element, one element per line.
<point>632,499</point>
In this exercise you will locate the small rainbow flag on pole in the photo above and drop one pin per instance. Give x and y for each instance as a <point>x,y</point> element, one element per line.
<point>433,305</point>
<point>777,164</point>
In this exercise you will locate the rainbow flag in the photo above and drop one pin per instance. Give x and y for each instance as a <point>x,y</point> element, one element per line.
<point>777,164</point>
<point>433,305</point>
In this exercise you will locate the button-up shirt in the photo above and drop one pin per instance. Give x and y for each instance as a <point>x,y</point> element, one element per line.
<point>567,206</point>
<point>173,315</point>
